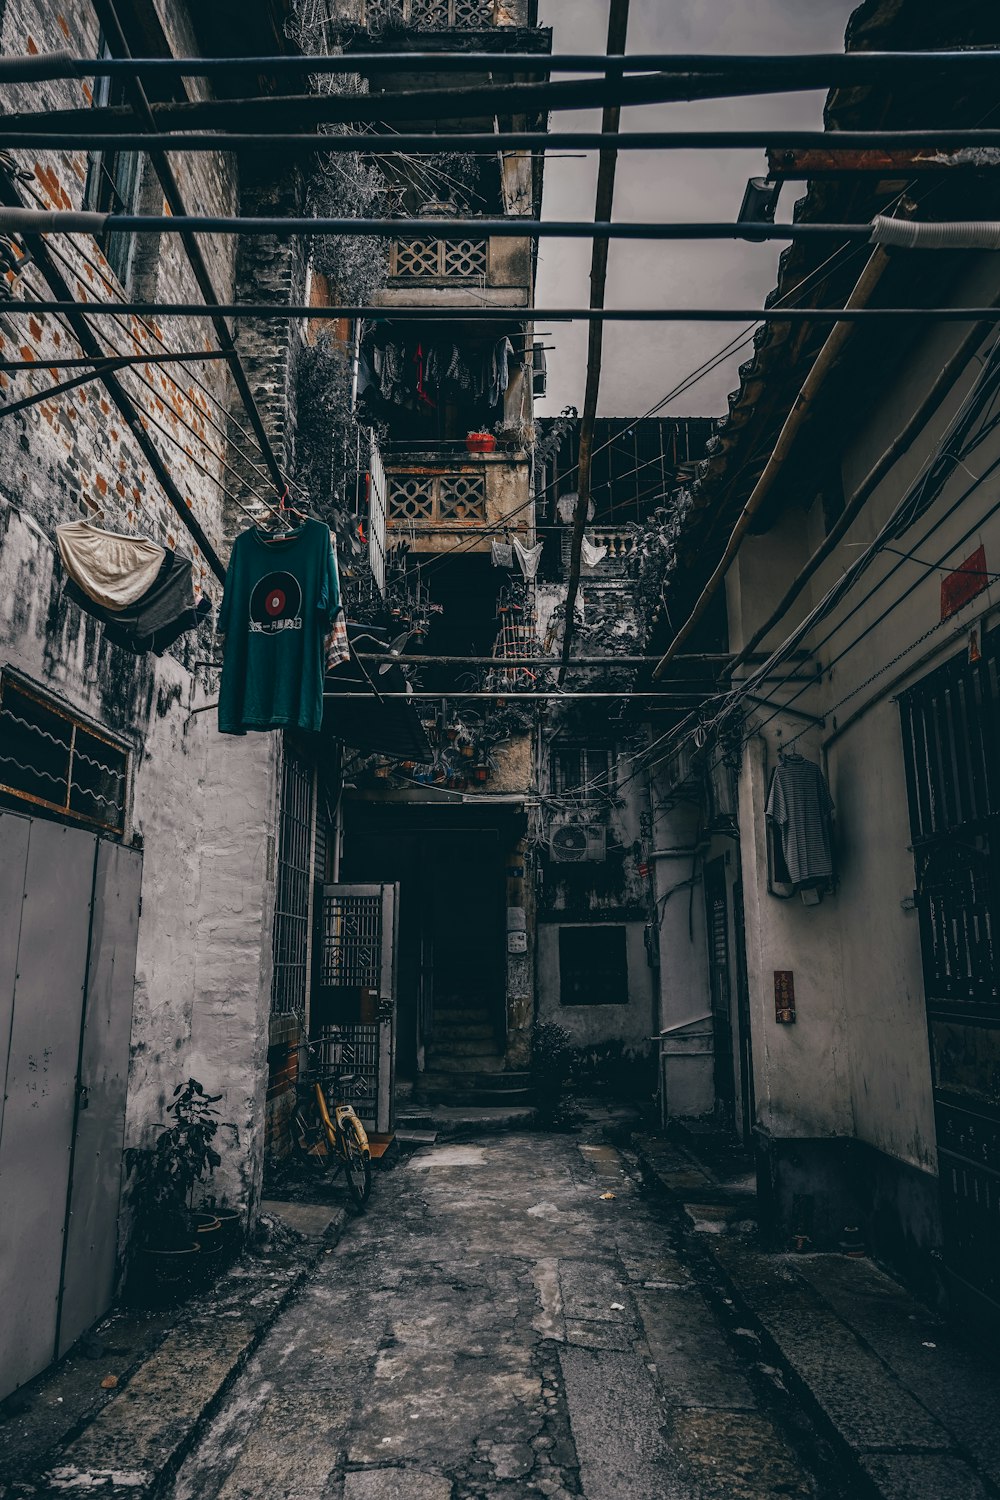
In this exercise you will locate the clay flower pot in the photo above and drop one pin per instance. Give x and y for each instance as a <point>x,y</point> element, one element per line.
<point>480,442</point>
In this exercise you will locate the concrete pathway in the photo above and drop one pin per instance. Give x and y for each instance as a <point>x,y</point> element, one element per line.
<point>508,1320</point>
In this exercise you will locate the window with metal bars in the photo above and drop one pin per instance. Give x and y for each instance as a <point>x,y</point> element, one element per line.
<point>293,888</point>
<point>51,759</point>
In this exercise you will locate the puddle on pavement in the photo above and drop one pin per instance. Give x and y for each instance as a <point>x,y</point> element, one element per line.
<point>449,1156</point>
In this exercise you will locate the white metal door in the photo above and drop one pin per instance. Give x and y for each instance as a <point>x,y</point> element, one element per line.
<point>357,952</point>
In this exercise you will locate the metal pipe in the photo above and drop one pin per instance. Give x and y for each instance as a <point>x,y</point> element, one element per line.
<point>801,407</point>
<point>704,78</point>
<point>452,314</point>
<point>111,361</point>
<point>603,208</point>
<point>511,140</point>
<point>16,221</point>
<point>821,69</point>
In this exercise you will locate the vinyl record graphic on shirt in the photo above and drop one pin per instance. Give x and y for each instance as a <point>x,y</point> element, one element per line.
<point>275,604</point>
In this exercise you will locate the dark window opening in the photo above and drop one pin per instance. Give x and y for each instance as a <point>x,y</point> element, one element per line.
<point>593,966</point>
<point>292,903</point>
<point>113,180</point>
<point>582,771</point>
<point>53,760</point>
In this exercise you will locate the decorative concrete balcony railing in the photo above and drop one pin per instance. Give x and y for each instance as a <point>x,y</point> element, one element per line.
<point>420,259</point>
<point>440,15</point>
<point>433,503</point>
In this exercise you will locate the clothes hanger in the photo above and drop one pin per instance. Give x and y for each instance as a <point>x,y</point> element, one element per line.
<point>280,518</point>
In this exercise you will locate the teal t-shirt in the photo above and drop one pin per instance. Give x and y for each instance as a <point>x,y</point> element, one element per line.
<point>281,594</point>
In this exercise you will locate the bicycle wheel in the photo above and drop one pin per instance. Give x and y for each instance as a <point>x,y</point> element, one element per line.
<point>357,1165</point>
<point>309,1144</point>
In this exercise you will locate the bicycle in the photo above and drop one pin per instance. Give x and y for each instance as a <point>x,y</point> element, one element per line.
<point>327,1134</point>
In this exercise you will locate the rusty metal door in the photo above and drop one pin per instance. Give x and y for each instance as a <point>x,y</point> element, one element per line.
<point>62,940</point>
<point>356,951</point>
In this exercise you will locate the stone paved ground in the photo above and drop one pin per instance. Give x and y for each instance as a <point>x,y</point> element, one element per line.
<point>496,1326</point>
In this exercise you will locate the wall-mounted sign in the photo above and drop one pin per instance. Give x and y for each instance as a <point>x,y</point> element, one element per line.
<point>964,583</point>
<point>784,996</point>
<point>517,942</point>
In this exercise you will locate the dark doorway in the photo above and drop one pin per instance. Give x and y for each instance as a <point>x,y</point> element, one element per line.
<point>717,926</point>
<point>452,915</point>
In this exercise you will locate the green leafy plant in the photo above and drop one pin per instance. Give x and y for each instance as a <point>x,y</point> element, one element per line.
<point>551,1062</point>
<point>164,1176</point>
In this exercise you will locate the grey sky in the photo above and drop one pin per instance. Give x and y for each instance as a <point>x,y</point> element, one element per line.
<point>642,362</point>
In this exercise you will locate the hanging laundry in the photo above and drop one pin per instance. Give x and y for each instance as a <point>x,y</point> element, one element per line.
<point>158,617</point>
<point>336,647</point>
<point>499,370</point>
<point>528,557</point>
<point>418,360</point>
<point>112,569</point>
<point>502,554</point>
<point>800,806</point>
<point>458,371</point>
<point>281,595</point>
<point>592,554</point>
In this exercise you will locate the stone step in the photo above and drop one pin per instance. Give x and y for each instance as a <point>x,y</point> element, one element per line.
<point>462,1015</point>
<point>481,1063</point>
<point>462,1031</point>
<point>437,1094</point>
<point>479,1046</point>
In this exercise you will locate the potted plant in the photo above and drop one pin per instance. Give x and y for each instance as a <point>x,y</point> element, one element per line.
<point>172,1237</point>
<point>480,442</point>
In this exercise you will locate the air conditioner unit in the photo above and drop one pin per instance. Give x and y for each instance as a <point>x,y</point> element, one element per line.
<point>680,767</point>
<point>572,843</point>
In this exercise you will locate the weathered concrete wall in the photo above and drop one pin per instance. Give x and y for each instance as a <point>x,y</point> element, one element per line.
<point>856,1061</point>
<point>202,805</point>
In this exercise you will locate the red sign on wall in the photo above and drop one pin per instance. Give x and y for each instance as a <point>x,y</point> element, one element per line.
<point>964,583</point>
<point>784,996</point>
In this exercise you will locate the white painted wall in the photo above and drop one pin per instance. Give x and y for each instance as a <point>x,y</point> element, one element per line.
<point>856,1061</point>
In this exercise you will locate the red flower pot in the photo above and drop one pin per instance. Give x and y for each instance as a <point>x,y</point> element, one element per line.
<point>480,442</point>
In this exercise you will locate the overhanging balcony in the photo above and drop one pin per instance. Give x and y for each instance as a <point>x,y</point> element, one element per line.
<point>433,15</point>
<point>434,498</point>
<point>465,271</point>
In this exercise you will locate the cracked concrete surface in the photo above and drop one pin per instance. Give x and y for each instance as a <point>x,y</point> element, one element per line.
<point>494,1327</point>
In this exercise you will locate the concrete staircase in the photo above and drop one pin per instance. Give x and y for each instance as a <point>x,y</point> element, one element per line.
<point>464,1064</point>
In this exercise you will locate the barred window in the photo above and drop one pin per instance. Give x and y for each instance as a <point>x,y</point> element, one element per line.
<point>52,759</point>
<point>293,892</point>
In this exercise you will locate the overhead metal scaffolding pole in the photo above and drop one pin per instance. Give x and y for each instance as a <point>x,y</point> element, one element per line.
<point>607,166</point>
<point>478,314</point>
<point>809,70</point>
<point>72,221</point>
<point>115,39</point>
<point>774,141</point>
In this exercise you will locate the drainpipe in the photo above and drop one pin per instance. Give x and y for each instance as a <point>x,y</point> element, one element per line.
<point>828,356</point>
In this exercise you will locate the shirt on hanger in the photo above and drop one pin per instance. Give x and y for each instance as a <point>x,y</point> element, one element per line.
<point>800,805</point>
<point>281,596</point>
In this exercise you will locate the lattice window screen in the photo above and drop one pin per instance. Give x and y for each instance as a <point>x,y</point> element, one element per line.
<point>411,498</point>
<point>462,259</point>
<point>462,498</point>
<point>442,497</point>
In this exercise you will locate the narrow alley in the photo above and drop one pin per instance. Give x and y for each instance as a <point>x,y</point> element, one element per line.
<point>507,1320</point>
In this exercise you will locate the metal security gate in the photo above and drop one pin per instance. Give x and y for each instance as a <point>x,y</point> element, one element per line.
<point>353,1012</point>
<point>951,739</point>
<point>69,905</point>
<point>717,922</point>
